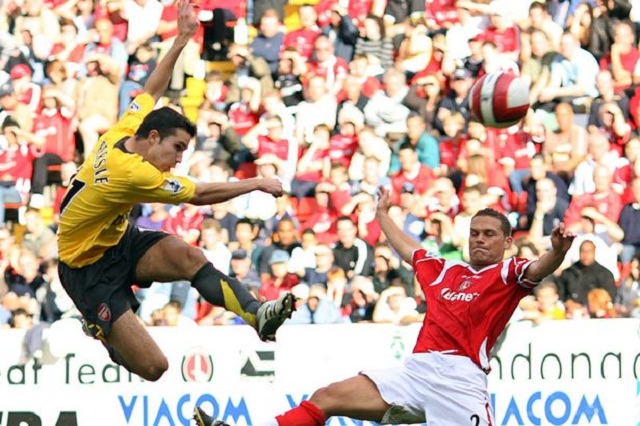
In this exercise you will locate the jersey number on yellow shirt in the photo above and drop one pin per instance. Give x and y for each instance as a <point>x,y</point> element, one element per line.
<point>74,187</point>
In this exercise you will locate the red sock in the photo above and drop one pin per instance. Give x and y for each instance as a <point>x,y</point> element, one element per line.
<point>306,414</point>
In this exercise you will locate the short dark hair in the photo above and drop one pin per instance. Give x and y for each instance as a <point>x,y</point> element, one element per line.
<point>505,226</point>
<point>407,146</point>
<point>346,219</point>
<point>165,121</point>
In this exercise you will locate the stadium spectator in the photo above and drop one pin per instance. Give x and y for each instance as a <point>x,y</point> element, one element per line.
<point>606,94</point>
<point>566,146</point>
<point>411,171</point>
<point>549,210</point>
<point>580,278</point>
<point>247,65</point>
<point>426,146</point>
<point>622,58</point>
<point>457,99</point>
<point>385,111</point>
<point>268,43</point>
<point>600,304</point>
<point>342,30</point>
<point>38,237</point>
<point>278,281</point>
<point>318,108</point>
<point>285,239</point>
<point>314,306</point>
<point>107,44</point>
<point>351,253</point>
<point>423,98</point>
<point>303,38</point>
<point>97,98</point>
<point>573,74</point>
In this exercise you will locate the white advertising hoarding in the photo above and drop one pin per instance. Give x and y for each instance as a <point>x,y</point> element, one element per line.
<point>560,373</point>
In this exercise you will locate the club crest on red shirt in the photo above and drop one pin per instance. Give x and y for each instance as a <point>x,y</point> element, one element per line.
<point>465,285</point>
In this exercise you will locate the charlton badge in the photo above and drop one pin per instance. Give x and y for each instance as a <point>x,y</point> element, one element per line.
<point>465,285</point>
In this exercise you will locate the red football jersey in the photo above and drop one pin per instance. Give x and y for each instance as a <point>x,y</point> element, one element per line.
<point>468,309</point>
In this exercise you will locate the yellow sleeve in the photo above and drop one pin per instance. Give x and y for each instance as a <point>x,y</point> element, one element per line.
<point>143,183</point>
<point>128,124</point>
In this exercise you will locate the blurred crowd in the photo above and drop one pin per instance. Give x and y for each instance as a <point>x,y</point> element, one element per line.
<point>335,98</point>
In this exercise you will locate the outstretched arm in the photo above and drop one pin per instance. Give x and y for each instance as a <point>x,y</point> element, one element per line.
<point>218,192</point>
<point>187,27</point>
<point>561,241</point>
<point>403,244</point>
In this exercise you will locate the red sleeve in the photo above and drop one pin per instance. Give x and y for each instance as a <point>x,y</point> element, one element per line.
<point>427,268</point>
<point>518,266</point>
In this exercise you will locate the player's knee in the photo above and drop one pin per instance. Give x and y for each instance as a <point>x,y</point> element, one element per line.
<point>324,398</point>
<point>155,369</point>
<point>194,257</point>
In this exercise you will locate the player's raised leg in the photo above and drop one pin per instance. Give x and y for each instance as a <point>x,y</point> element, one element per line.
<point>172,259</point>
<point>357,397</point>
<point>130,345</point>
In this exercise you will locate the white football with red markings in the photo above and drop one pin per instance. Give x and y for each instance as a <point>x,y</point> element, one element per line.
<point>499,99</point>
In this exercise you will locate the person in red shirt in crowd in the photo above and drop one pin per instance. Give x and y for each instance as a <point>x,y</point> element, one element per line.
<point>185,224</point>
<point>303,38</point>
<point>440,14</point>
<point>112,11</point>
<point>339,185</point>
<point>504,34</point>
<point>627,170</point>
<point>452,146</point>
<point>15,167</point>
<point>314,163</point>
<point>369,229</point>
<point>357,10</point>
<point>28,93</point>
<point>326,64</point>
<point>267,138</point>
<point>344,144</point>
<point>442,197</point>
<point>54,125</point>
<point>69,49</point>
<point>454,345</point>
<point>411,170</point>
<point>323,220</point>
<point>16,159</point>
<point>622,59</point>
<point>358,70</point>
<point>604,203</point>
<point>280,281</point>
<point>244,114</point>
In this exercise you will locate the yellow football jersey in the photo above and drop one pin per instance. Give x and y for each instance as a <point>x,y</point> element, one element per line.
<point>95,209</point>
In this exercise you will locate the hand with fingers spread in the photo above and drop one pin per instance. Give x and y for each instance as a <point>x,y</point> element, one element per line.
<point>187,21</point>
<point>561,239</point>
<point>384,200</point>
